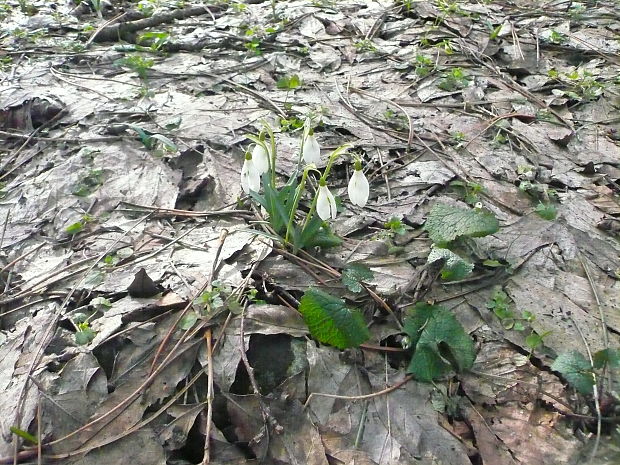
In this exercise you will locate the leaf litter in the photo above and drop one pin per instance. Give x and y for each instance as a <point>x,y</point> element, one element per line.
<point>123,129</point>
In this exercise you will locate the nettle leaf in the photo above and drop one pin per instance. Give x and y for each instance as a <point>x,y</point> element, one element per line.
<point>330,321</point>
<point>441,343</point>
<point>446,222</point>
<point>605,357</point>
<point>354,274</point>
<point>574,367</point>
<point>455,267</point>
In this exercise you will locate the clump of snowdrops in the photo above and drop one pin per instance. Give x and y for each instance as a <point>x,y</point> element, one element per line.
<point>302,229</point>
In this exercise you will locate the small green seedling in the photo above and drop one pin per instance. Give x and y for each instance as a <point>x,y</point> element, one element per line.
<point>136,63</point>
<point>289,82</point>
<point>454,80</point>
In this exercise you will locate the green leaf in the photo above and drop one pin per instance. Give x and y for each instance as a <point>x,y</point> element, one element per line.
<point>325,239</point>
<point>330,321</point>
<point>188,320</point>
<point>93,279</point>
<point>353,274</point>
<point>446,222</point>
<point>546,211</point>
<point>23,434</point>
<point>533,340</point>
<point>396,225</point>
<point>574,367</point>
<point>101,303</point>
<point>605,357</point>
<point>84,335</point>
<point>289,82</point>
<point>455,267</point>
<point>167,143</point>
<point>441,343</point>
<point>74,228</point>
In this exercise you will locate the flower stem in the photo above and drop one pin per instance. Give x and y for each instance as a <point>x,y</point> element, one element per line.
<point>298,190</point>
<point>272,164</point>
<point>332,158</point>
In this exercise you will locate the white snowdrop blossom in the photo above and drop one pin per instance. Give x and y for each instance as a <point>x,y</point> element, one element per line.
<point>311,151</point>
<point>250,176</point>
<point>260,157</point>
<point>358,187</point>
<point>325,203</point>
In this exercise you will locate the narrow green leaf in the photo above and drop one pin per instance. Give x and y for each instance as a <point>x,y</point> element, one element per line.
<point>74,228</point>
<point>168,144</point>
<point>23,434</point>
<point>446,222</point>
<point>330,321</point>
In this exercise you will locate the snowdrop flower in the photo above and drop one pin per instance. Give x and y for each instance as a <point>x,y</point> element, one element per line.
<point>325,203</point>
<point>250,176</point>
<point>260,157</point>
<point>358,186</point>
<point>311,152</point>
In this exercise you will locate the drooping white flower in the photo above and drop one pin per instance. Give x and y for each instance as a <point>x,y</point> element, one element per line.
<point>325,203</point>
<point>250,177</point>
<point>358,187</point>
<point>260,157</point>
<point>311,151</point>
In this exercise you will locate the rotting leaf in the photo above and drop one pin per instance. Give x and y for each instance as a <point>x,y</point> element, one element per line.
<point>354,274</point>
<point>455,267</point>
<point>142,285</point>
<point>330,321</point>
<point>441,343</point>
<point>574,367</point>
<point>89,183</point>
<point>446,222</point>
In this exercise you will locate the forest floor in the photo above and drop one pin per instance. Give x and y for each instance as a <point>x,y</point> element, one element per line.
<point>140,284</point>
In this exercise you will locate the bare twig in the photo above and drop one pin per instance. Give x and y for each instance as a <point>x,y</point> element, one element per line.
<point>207,449</point>
<point>595,392</point>
<point>387,390</point>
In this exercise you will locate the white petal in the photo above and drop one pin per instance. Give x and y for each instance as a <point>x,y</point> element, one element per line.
<point>332,204</point>
<point>250,179</point>
<point>311,152</point>
<point>358,188</point>
<point>325,204</point>
<point>260,157</point>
